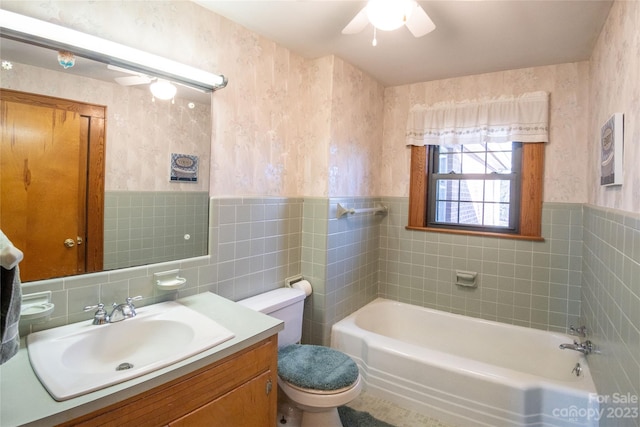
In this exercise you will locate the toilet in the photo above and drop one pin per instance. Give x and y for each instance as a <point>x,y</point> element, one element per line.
<point>316,379</point>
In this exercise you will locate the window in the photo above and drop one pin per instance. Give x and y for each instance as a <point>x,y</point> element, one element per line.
<point>474,187</point>
<point>486,189</point>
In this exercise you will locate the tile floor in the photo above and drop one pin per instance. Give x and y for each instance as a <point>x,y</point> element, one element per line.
<point>392,413</point>
<point>379,408</point>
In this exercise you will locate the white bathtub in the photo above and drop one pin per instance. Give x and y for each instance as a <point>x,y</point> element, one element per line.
<point>467,371</point>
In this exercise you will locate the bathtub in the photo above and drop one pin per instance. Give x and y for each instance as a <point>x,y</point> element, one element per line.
<point>467,371</point>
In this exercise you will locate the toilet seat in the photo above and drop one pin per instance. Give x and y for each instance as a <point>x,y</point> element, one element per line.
<point>317,369</point>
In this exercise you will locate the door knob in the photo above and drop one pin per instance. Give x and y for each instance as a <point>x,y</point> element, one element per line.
<point>71,243</point>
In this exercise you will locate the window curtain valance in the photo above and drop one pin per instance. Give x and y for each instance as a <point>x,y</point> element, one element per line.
<point>524,118</point>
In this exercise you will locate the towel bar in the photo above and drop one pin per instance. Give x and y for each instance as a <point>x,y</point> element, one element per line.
<point>377,210</point>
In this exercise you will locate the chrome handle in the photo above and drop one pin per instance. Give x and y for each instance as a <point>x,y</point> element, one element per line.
<point>91,307</point>
<point>131,299</point>
<point>577,370</point>
<point>580,331</point>
<point>100,317</point>
<point>69,243</point>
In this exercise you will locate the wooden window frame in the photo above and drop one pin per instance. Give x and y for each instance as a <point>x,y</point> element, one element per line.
<point>530,217</point>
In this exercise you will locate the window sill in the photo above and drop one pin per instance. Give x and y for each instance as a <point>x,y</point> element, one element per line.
<point>477,233</point>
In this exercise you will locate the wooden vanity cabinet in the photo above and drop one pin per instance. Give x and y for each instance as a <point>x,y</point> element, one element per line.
<point>239,390</point>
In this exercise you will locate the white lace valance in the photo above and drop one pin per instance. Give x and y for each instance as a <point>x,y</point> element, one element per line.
<point>524,118</point>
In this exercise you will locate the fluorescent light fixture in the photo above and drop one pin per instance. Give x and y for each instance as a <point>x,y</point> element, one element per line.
<point>34,31</point>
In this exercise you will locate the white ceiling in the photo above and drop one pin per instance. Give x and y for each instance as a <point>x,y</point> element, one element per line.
<point>472,36</point>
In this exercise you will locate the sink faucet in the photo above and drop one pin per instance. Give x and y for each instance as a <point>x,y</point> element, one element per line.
<point>123,311</point>
<point>583,347</point>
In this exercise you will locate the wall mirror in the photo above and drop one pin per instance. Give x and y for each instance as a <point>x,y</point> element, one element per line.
<point>151,180</point>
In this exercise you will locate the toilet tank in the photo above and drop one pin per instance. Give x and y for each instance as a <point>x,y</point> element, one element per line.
<point>286,304</point>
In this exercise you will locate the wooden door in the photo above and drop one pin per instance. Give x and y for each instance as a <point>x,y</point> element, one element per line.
<point>45,191</point>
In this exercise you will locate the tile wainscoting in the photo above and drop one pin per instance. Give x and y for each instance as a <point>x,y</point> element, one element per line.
<point>611,309</point>
<point>586,271</point>
<point>533,284</point>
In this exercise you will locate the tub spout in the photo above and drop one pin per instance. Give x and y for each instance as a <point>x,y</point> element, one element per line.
<point>583,347</point>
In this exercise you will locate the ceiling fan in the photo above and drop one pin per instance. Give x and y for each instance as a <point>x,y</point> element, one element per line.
<point>160,88</point>
<point>388,15</point>
<point>132,80</point>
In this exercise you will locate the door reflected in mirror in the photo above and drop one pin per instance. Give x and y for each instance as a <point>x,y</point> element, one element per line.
<point>147,216</point>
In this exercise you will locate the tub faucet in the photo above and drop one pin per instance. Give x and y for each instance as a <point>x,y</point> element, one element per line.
<point>123,311</point>
<point>583,347</point>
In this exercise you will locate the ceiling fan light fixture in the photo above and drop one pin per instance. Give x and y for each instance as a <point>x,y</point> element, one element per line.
<point>163,89</point>
<point>388,15</point>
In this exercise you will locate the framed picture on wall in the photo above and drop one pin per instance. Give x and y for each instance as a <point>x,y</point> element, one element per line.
<point>611,149</point>
<point>184,168</point>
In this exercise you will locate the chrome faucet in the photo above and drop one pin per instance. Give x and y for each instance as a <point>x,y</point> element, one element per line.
<point>123,311</point>
<point>583,347</point>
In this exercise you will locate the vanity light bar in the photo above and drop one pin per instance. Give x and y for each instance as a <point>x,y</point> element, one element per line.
<point>46,34</point>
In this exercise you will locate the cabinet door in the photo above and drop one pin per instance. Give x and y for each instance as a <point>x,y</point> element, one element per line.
<point>252,404</point>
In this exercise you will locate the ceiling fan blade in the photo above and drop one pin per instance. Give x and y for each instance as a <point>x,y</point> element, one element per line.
<point>121,70</point>
<point>419,22</point>
<point>132,80</point>
<point>357,24</point>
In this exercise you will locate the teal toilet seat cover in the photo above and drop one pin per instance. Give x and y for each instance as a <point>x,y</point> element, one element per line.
<point>316,367</point>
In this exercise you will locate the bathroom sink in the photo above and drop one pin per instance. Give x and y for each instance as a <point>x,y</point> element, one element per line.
<point>76,359</point>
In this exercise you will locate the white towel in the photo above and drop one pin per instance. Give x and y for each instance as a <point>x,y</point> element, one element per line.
<point>10,256</point>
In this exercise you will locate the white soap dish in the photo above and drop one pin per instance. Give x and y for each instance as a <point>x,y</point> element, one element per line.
<point>169,280</point>
<point>36,307</point>
<point>36,311</point>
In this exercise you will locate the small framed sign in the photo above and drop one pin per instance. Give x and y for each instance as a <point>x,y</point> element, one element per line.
<point>184,168</point>
<point>611,149</point>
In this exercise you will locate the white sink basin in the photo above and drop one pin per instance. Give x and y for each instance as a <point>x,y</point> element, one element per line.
<point>79,358</point>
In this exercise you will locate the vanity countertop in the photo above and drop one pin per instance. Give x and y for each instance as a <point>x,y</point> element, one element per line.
<point>24,401</point>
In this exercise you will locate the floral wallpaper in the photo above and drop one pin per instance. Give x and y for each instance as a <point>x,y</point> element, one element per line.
<point>565,155</point>
<point>290,126</point>
<point>615,88</point>
<point>141,134</point>
<point>284,125</point>
<point>356,132</point>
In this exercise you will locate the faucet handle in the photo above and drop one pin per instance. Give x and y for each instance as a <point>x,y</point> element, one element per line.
<point>100,317</point>
<point>127,309</point>
<point>131,299</point>
<point>580,331</point>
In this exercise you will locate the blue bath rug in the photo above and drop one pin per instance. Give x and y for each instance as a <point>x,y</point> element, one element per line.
<point>352,418</point>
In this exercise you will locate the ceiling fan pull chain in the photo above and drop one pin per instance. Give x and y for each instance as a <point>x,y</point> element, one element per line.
<point>375,41</point>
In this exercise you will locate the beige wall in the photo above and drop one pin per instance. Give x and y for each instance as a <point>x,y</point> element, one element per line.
<point>282,126</point>
<point>565,155</point>
<point>288,126</point>
<point>615,88</point>
<point>356,132</point>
